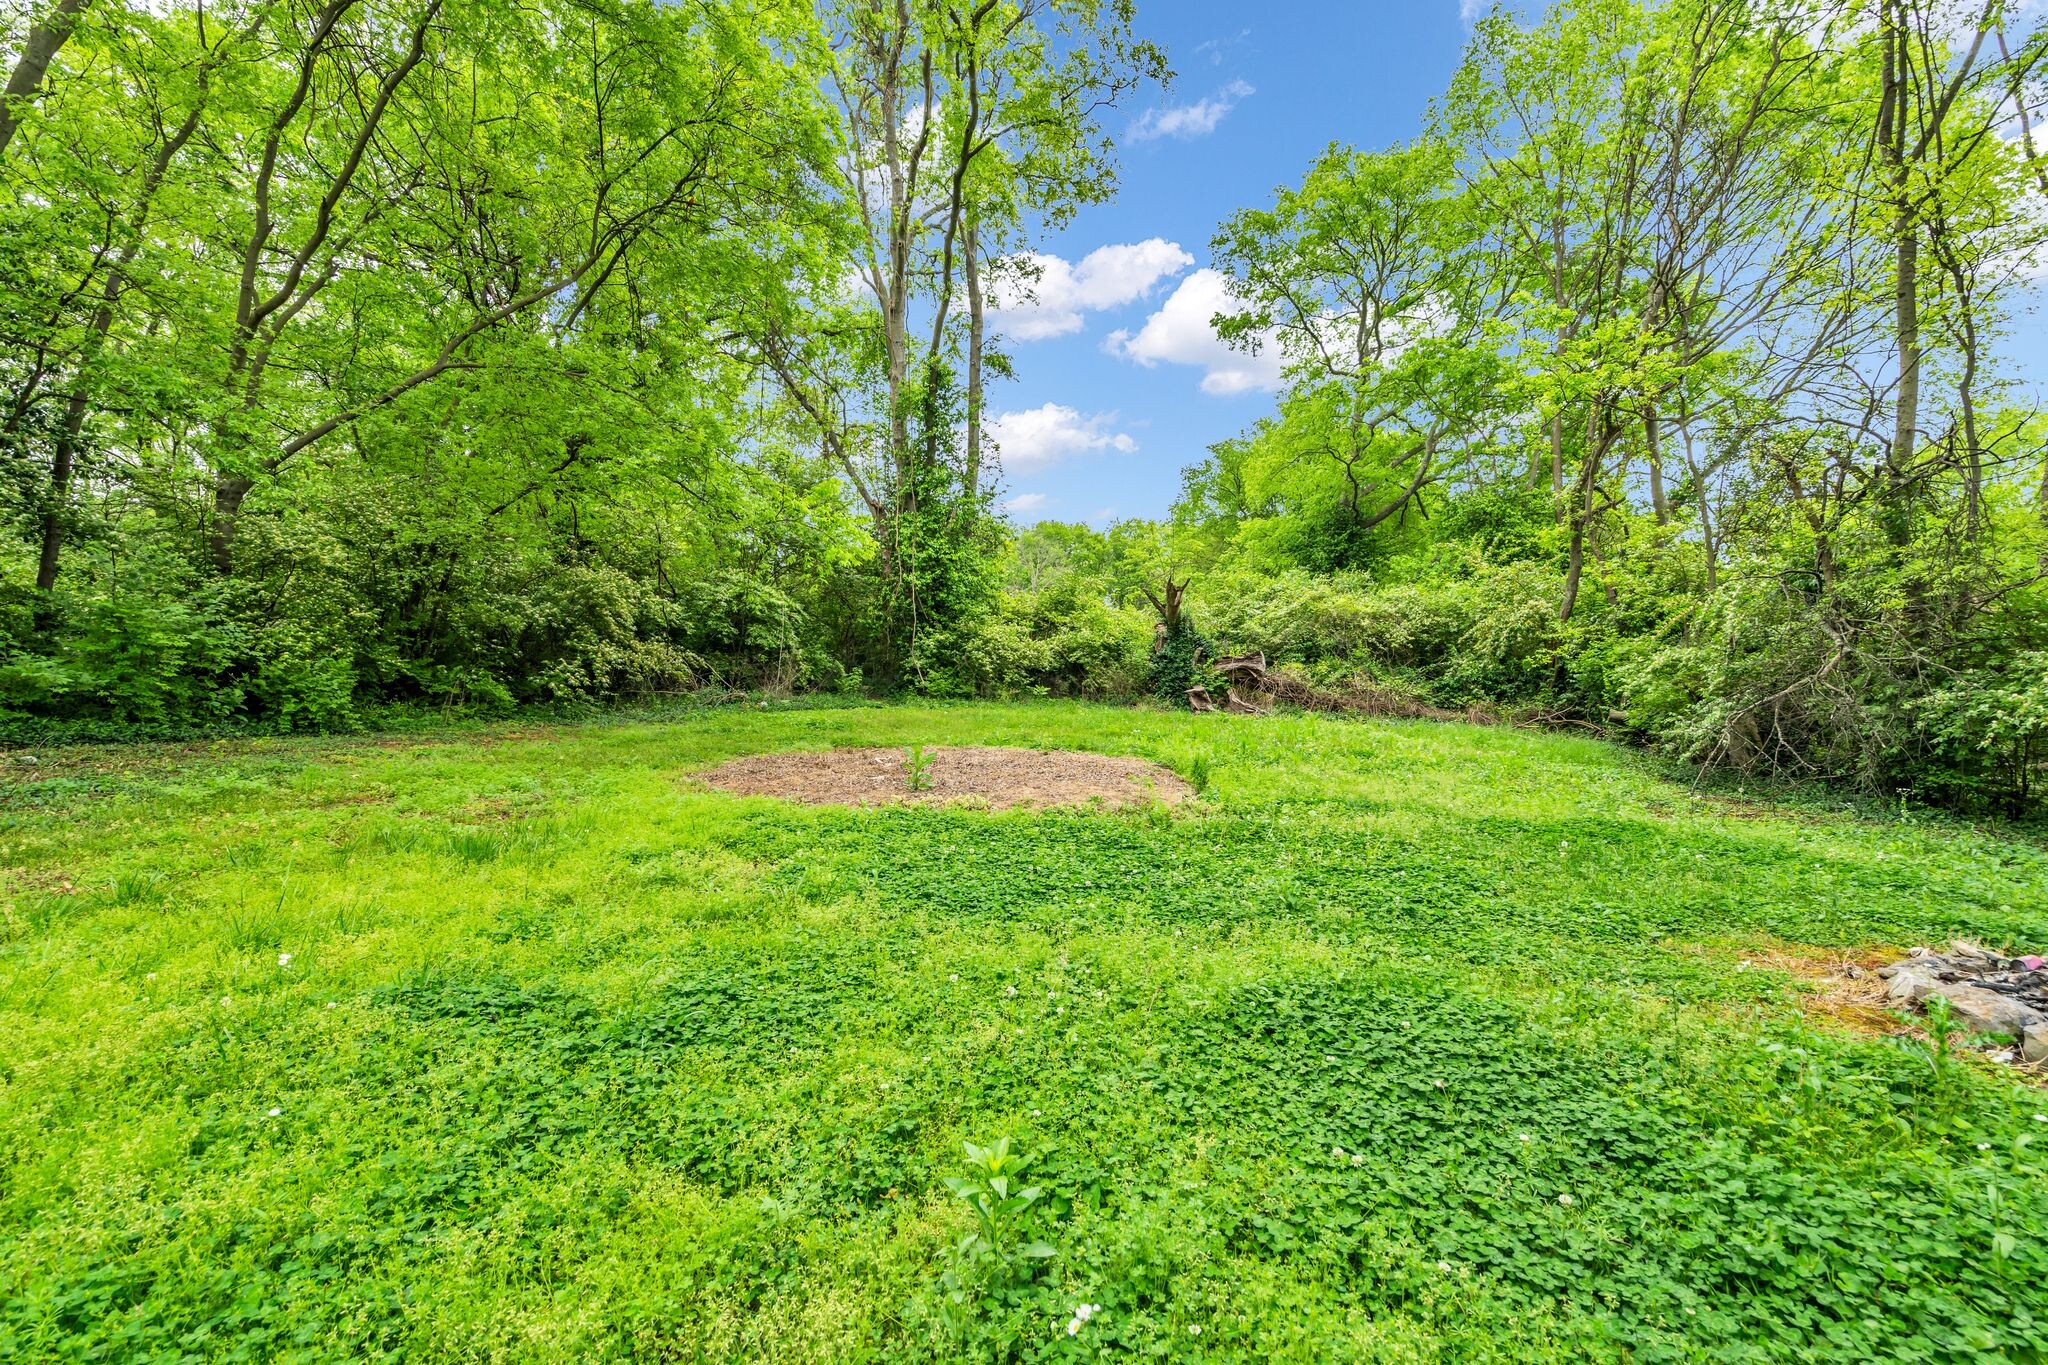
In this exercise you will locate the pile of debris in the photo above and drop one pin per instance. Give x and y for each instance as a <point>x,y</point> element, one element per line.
<point>1986,991</point>
<point>1252,688</point>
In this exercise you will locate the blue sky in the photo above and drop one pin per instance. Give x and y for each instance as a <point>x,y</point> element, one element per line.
<point>1090,433</point>
<point>1120,384</point>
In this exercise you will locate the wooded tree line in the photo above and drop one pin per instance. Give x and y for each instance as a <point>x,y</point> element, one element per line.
<point>358,351</point>
<point>1658,386</point>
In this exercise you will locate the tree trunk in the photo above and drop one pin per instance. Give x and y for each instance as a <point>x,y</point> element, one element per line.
<point>1584,514</point>
<point>1707,539</point>
<point>60,492</point>
<point>44,42</point>
<point>79,408</point>
<point>1893,126</point>
<point>1556,453</point>
<point>1973,454</point>
<point>1575,571</point>
<point>1655,454</point>
<point>977,331</point>
<point>1898,525</point>
<point>228,494</point>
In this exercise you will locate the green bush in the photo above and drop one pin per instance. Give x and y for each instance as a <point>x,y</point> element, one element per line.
<point>1055,642</point>
<point>1180,664</point>
<point>1990,728</point>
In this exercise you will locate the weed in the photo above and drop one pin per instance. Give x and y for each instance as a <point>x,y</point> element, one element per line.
<point>250,931</point>
<point>1938,1048</point>
<point>396,837</point>
<point>985,1267</point>
<point>136,888</point>
<point>473,845</point>
<point>917,768</point>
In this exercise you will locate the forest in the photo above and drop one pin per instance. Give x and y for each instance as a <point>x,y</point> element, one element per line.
<point>359,356</point>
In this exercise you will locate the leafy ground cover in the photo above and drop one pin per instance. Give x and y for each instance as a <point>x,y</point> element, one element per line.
<point>1403,1042</point>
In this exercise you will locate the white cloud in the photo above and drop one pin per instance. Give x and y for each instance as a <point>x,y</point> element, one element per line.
<point>1039,296</point>
<point>1470,10</point>
<point>1039,438</point>
<point>1190,120</point>
<point>1213,49</point>
<point>1025,502</point>
<point>1180,333</point>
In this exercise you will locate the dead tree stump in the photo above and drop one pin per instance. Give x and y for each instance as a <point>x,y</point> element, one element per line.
<point>1238,706</point>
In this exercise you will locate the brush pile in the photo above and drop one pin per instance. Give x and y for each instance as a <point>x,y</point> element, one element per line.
<point>1253,689</point>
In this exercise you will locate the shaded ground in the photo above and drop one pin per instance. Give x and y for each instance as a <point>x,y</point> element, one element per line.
<point>1002,779</point>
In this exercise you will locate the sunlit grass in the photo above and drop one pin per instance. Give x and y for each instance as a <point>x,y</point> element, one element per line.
<point>574,1058</point>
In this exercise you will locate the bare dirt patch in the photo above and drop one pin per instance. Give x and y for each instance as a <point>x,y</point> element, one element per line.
<point>1837,985</point>
<point>1000,779</point>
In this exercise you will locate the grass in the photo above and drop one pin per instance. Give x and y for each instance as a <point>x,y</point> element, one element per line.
<point>1404,1042</point>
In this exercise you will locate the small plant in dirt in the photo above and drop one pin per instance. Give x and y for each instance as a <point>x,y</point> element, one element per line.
<point>917,768</point>
<point>988,1268</point>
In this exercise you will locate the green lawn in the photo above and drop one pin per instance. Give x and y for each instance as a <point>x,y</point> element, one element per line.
<point>1405,1042</point>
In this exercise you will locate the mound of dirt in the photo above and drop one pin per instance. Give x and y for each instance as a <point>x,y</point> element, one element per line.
<point>999,778</point>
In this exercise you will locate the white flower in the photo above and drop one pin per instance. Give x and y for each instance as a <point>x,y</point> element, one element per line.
<point>1565,1200</point>
<point>330,1004</point>
<point>1523,1137</point>
<point>1009,990</point>
<point>1074,1328</point>
<point>224,1002</point>
<point>284,959</point>
<point>1036,1113</point>
<point>2041,1118</point>
<point>1444,1266</point>
<point>1336,1151</point>
<point>1194,1329</point>
<point>1357,1159</point>
<point>1983,1146</point>
<point>954,977</point>
<point>150,977</point>
<point>275,1112</point>
<point>1439,1084</point>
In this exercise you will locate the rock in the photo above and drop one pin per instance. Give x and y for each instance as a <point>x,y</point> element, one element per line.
<point>1987,1011</point>
<point>1910,984</point>
<point>2034,1044</point>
